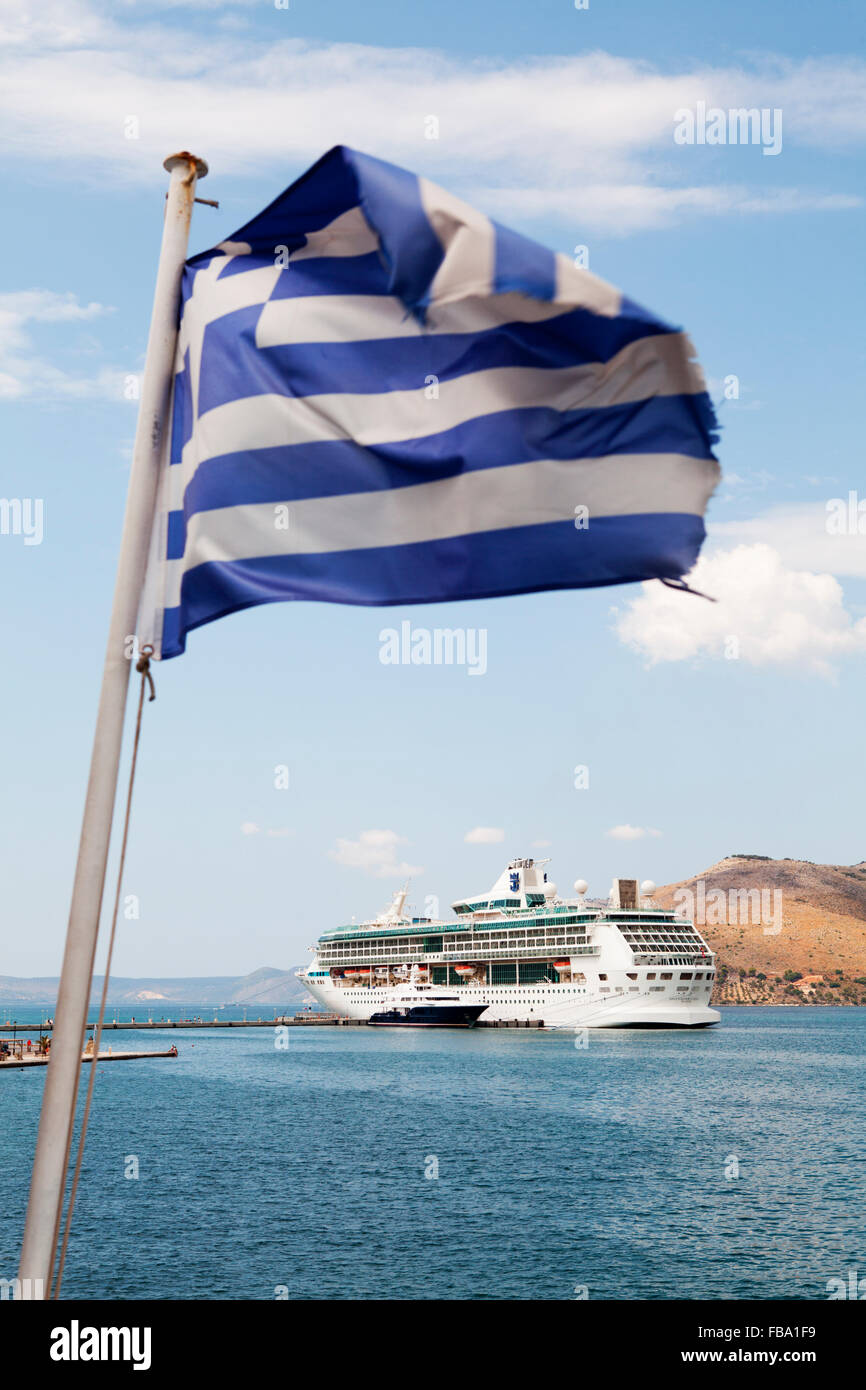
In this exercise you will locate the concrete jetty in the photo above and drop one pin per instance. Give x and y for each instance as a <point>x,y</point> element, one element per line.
<point>303,1020</point>
<point>24,1060</point>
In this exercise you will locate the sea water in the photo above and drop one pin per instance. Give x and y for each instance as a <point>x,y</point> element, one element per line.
<point>350,1163</point>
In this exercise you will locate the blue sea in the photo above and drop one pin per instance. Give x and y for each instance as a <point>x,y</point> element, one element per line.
<point>494,1164</point>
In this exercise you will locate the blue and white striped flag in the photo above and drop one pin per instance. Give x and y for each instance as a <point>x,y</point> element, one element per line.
<point>381,397</point>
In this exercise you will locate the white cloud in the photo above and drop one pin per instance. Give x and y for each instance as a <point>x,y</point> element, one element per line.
<point>25,372</point>
<point>631,832</point>
<point>249,827</point>
<point>629,207</point>
<point>766,614</point>
<point>586,138</point>
<point>541,844</point>
<point>375,852</point>
<point>798,532</point>
<point>746,484</point>
<point>484,835</point>
<point>193,4</point>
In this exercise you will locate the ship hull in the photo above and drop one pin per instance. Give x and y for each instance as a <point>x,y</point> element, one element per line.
<point>449,1016</point>
<point>553,1007</point>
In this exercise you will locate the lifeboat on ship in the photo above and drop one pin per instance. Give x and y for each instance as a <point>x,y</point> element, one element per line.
<point>464,971</point>
<point>562,965</point>
<point>351,974</point>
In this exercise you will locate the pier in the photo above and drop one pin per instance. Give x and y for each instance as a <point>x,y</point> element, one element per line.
<point>157,1024</point>
<point>151,1024</point>
<point>21,1060</point>
<point>301,1020</point>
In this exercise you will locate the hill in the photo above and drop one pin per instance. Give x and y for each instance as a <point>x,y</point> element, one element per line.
<point>771,916</point>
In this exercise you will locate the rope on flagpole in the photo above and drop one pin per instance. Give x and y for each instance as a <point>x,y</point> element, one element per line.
<point>142,666</point>
<point>683,588</point>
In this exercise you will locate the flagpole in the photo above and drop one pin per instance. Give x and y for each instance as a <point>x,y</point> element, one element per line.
<point>57,1117</point>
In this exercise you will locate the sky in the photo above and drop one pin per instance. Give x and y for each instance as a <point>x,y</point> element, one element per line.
<point>289,780</point>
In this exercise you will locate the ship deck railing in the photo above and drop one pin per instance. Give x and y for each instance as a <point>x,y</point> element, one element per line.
<point>445,958</point>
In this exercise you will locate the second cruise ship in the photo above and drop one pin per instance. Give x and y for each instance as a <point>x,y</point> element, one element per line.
<point>526,954</point>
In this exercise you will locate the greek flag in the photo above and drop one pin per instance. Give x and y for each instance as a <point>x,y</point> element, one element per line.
<point>381,397</point>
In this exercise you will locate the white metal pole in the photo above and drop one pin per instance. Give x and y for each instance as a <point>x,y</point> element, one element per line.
<point>56,1121</point>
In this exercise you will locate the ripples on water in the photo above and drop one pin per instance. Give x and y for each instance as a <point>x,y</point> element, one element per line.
<point>558,1166</point>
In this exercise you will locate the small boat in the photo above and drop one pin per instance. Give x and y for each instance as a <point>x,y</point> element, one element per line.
<point>434,1011</point>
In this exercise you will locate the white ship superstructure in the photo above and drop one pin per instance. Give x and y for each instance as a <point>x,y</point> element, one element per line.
<point>528,955</point>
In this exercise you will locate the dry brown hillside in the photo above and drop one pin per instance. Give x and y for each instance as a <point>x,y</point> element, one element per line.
<point>816,915</point>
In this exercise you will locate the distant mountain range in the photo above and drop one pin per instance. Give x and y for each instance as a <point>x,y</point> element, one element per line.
<point>265,986</point>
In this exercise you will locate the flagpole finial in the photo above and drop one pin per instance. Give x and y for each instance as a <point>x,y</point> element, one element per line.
<point>184,157</point>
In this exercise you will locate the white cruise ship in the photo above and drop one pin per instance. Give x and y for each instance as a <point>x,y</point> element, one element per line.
<point>528,956</point>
